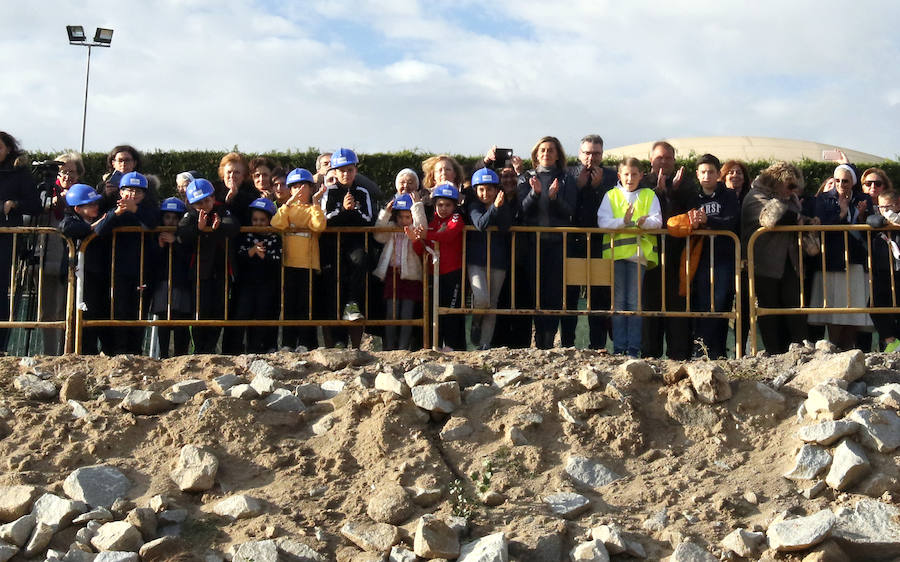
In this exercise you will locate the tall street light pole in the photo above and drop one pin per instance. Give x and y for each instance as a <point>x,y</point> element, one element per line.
<point>102,38</point>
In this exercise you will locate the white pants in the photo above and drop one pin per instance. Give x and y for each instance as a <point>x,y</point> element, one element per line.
<point>483,297</point>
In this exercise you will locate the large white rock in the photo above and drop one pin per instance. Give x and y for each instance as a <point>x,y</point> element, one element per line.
<point>257,551</point>
<point>591,551</point>
<point>35,388</point>
<point>295,551</point>
<point>744,543</point>
<point>709,381</point>
<point>282,400</point>
<point>371,537</point>
<point>118,535</point>
<point>145,402</point>
<point>195,470</point>
<point>56,511</point>
<point>40,538</point>
<point>18,531</point>
<point>424,373</point>
<point>238,507</point>
<point>16,501</point>
<point>492,548</point>
<point>880,429</point>
<point>434,539</point>
<point>827,432</point>
<point>800,533</point>
<point>691,552</point>
<point>828,401</point>
<point>182,391</point>
<point>848,366</point>
<point>848,466</point>
<point>611,537</point>
<point>388,382</point>
<point>400,554</point>
<point>589,472</point>
<point>263,385</point>
<point>810,461</point>
<point>507,377</point>
<point>870,531</point>
<point>97,486</point>
<point>439,397</point>
<point>567,504</point>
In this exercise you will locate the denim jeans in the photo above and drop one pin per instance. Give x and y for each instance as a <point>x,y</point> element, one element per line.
<point>626,330</point>
<point>713,331</point>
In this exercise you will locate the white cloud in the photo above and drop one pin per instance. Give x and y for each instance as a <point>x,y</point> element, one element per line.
<point>451,76</point>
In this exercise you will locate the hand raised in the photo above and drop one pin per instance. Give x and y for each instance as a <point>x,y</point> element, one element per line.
<point>554,189</point>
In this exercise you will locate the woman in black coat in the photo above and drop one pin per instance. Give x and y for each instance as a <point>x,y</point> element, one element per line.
<point>18,196</point>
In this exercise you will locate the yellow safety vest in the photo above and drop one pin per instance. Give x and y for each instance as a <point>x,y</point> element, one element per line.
<point>627,244</point>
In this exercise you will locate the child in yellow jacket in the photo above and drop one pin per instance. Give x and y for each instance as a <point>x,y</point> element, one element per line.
<point>302,219</point>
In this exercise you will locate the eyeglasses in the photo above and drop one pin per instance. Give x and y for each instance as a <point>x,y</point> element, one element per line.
<point>842,181</point>
<point>870,183</point>
<point>66,173</point>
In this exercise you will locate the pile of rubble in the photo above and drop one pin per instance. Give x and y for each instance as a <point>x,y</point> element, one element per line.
<point>480,457</point>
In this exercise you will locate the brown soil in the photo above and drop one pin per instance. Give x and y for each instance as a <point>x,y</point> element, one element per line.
<point>698,461</point>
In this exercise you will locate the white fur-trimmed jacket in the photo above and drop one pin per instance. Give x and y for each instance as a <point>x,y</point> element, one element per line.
<point>410,252</point>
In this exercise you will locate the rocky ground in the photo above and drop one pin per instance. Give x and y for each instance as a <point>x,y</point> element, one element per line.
<point>501,455</point>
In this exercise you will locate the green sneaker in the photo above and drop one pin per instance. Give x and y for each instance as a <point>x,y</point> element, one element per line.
<point>893,346</point>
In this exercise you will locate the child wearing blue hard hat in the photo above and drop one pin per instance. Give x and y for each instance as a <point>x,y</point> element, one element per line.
<point>259,276</point>
<point>133,254</point>
<point>487,253</point>
<point>80,221</point>
<point>400,267</point>
<point>173,262</point>
<point>207,228</point>
<point>302,219</point>
<point>346,203</point>
<point>447,228</point>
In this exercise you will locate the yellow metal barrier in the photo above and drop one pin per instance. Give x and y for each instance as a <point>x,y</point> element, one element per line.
<point>592,271</point>
<point>80,323</point>
<point>22,272</point>
<point>805,309</point>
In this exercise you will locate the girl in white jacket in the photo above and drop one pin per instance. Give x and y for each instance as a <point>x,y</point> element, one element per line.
<point>400,267</point>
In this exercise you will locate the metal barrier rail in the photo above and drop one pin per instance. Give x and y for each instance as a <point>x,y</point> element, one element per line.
<point>591,267</point>
<point>80,323</point>
<point>756,311</point>
<point>18,272</point>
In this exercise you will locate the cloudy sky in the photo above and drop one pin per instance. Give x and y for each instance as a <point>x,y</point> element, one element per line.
<point>450,76</point>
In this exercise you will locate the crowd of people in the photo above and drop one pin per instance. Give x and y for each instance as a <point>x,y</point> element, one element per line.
<point>208,268</point>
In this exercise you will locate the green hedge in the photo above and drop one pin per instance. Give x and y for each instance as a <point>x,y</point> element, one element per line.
<point>381,167</point>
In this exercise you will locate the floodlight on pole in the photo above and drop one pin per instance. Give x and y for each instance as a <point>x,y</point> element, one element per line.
<point>102,38</point>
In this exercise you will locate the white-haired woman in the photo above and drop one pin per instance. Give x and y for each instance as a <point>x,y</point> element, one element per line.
<point>844,205</point>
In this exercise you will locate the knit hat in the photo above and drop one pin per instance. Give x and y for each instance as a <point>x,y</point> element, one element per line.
<point>849,169</point>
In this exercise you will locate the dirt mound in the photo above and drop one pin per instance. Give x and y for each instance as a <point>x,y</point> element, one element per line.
<point>635,439</point>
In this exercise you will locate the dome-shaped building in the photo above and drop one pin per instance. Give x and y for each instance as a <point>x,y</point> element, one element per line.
<point>747,149</point>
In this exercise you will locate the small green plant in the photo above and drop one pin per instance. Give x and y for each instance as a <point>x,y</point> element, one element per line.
<point>463,505</point>
<point>482,480</point>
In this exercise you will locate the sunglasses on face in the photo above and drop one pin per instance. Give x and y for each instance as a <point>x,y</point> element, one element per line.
<point>875,183</point>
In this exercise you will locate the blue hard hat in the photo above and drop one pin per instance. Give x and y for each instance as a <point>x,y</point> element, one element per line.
<point>263,204</point>
<point>403,202</point>
<point>447,191</point>
<point>299,175</point>
<point>343,157</point>
<point>172,205</point>
<point>199,189</point>
<point>81,194</point>
<point>485,176</point>
<point>133,179</point>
